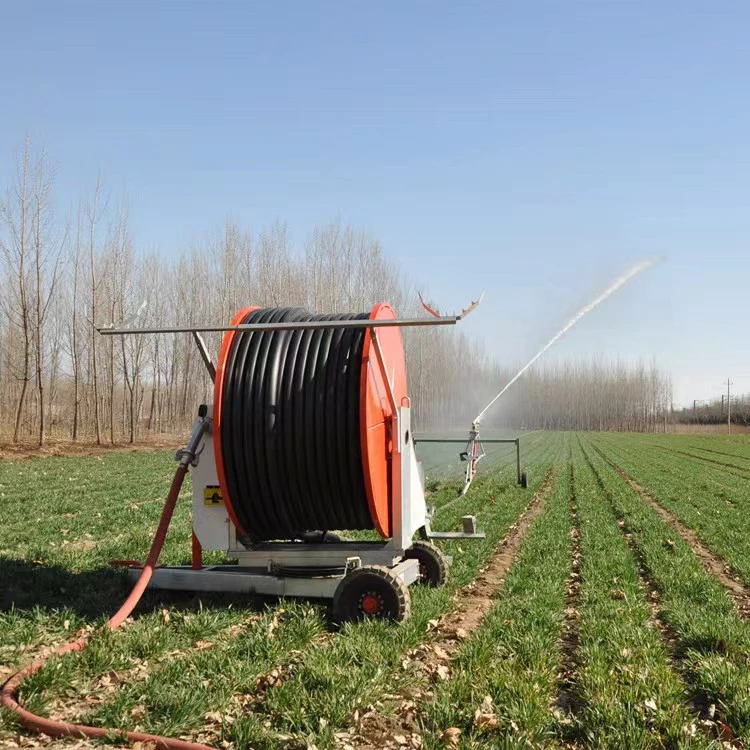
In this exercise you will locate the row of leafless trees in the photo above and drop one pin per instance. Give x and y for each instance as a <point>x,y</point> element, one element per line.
<point>63,275</point>
<point>590,396</point>
<point>717,411</point>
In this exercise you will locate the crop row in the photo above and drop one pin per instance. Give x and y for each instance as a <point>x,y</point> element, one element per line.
<point>250,674</point>
<point>711,639</point>
<point>715,505</point>
<point>629,695</point>
<point>507,674</point>
<point>338,678</point>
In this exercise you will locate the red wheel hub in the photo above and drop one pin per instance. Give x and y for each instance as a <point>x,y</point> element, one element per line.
<point>371,603</point>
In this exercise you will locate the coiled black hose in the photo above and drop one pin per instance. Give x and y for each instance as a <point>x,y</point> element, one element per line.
<point>290,427</point>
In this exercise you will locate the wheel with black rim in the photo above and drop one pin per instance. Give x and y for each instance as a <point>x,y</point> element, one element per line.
<point>372,591</point>
<point>433,564</point>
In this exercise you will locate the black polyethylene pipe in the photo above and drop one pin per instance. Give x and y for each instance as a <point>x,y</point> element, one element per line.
<point>290,427</point>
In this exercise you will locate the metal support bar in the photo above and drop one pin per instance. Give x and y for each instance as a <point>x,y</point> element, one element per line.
<point>205,356</point>
<point>314,325</point>
<point>384,370</point>
<point>518,461</point>
<point>481,441</point>
<point>463,440</point>
<point>323,555</point>
<point>257,581</point>
<point>436,320</point>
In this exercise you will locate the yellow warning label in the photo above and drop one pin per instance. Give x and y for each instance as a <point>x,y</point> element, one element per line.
<point>212,496</point>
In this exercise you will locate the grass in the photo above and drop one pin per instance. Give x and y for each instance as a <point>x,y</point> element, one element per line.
<point>59,583</point>
<point>629,694</point>
<point>708,500</point>
<point>339,677</point>
<point>515,656</point>
<point>633,656</point>
<point>712,639</point>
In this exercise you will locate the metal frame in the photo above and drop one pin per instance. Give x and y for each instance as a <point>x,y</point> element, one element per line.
<point>435,320</point>
<point>205,356</point>
<point>243,580</point>
<point>475,452</point>
<point>469,525</point>
<point>307,325</point>
<point>258,569</point>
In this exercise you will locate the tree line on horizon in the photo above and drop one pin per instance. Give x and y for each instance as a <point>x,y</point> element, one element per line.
<point>63,275</point>
<point>716,411</point>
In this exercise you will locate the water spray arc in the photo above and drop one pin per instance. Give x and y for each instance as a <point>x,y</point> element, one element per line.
<point>474,450</point>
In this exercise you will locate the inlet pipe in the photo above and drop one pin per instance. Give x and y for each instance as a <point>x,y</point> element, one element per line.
<point>186,457</point>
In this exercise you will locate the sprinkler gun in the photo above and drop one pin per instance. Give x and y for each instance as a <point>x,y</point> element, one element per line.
<point>472,455</point>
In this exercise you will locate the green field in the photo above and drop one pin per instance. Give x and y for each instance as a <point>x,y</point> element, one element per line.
<point>618,615</point>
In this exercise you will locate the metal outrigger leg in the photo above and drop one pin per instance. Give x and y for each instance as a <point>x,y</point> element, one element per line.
<point>469,525</point>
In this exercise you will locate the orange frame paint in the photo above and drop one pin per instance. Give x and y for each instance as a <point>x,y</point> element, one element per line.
<point>226,348</point>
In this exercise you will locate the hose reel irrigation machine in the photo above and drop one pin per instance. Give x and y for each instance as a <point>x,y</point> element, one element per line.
<point>310,433</point>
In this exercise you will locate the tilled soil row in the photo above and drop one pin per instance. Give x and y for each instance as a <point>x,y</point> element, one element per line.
<point>706,459</point>
<point>710,718</point>
<point>739,593</point>
<point>699,702</point>
<point>372,729</point>
<point>567,702</point>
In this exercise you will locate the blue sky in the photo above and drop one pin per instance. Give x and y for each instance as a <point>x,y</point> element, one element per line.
<point>532,148</point>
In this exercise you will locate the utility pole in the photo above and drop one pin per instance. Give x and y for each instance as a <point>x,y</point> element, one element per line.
<point>729,407</point>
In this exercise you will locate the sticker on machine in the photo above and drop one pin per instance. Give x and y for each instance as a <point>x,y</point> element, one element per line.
<point>212,495</point>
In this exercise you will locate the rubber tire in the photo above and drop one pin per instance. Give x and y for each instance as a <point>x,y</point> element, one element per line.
<point>524,480</point>
<point>377,579</point>
<point>433,564</point>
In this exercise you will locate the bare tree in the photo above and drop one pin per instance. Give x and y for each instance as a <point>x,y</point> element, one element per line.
<point>73,332</point>
<point>47,253</point>
<point>16,218</point>
<point>94,212</point>
<point>55,370</point>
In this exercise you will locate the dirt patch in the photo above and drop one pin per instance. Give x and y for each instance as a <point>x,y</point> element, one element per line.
<point>739,593</point>
<point>56,743</point>
<point>87,448</point>
<point>567,702</point>
<point>475,600</point>
<point>85,545</point>
<point>371,728</point>
<point>708,429</point>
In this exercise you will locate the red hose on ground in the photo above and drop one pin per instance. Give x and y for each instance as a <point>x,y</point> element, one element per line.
<point>63,729</point>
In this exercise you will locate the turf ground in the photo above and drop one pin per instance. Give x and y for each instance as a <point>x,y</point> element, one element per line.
<point>608,607</point>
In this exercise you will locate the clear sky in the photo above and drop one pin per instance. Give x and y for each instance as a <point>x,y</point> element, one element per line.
<point>532,148</point>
